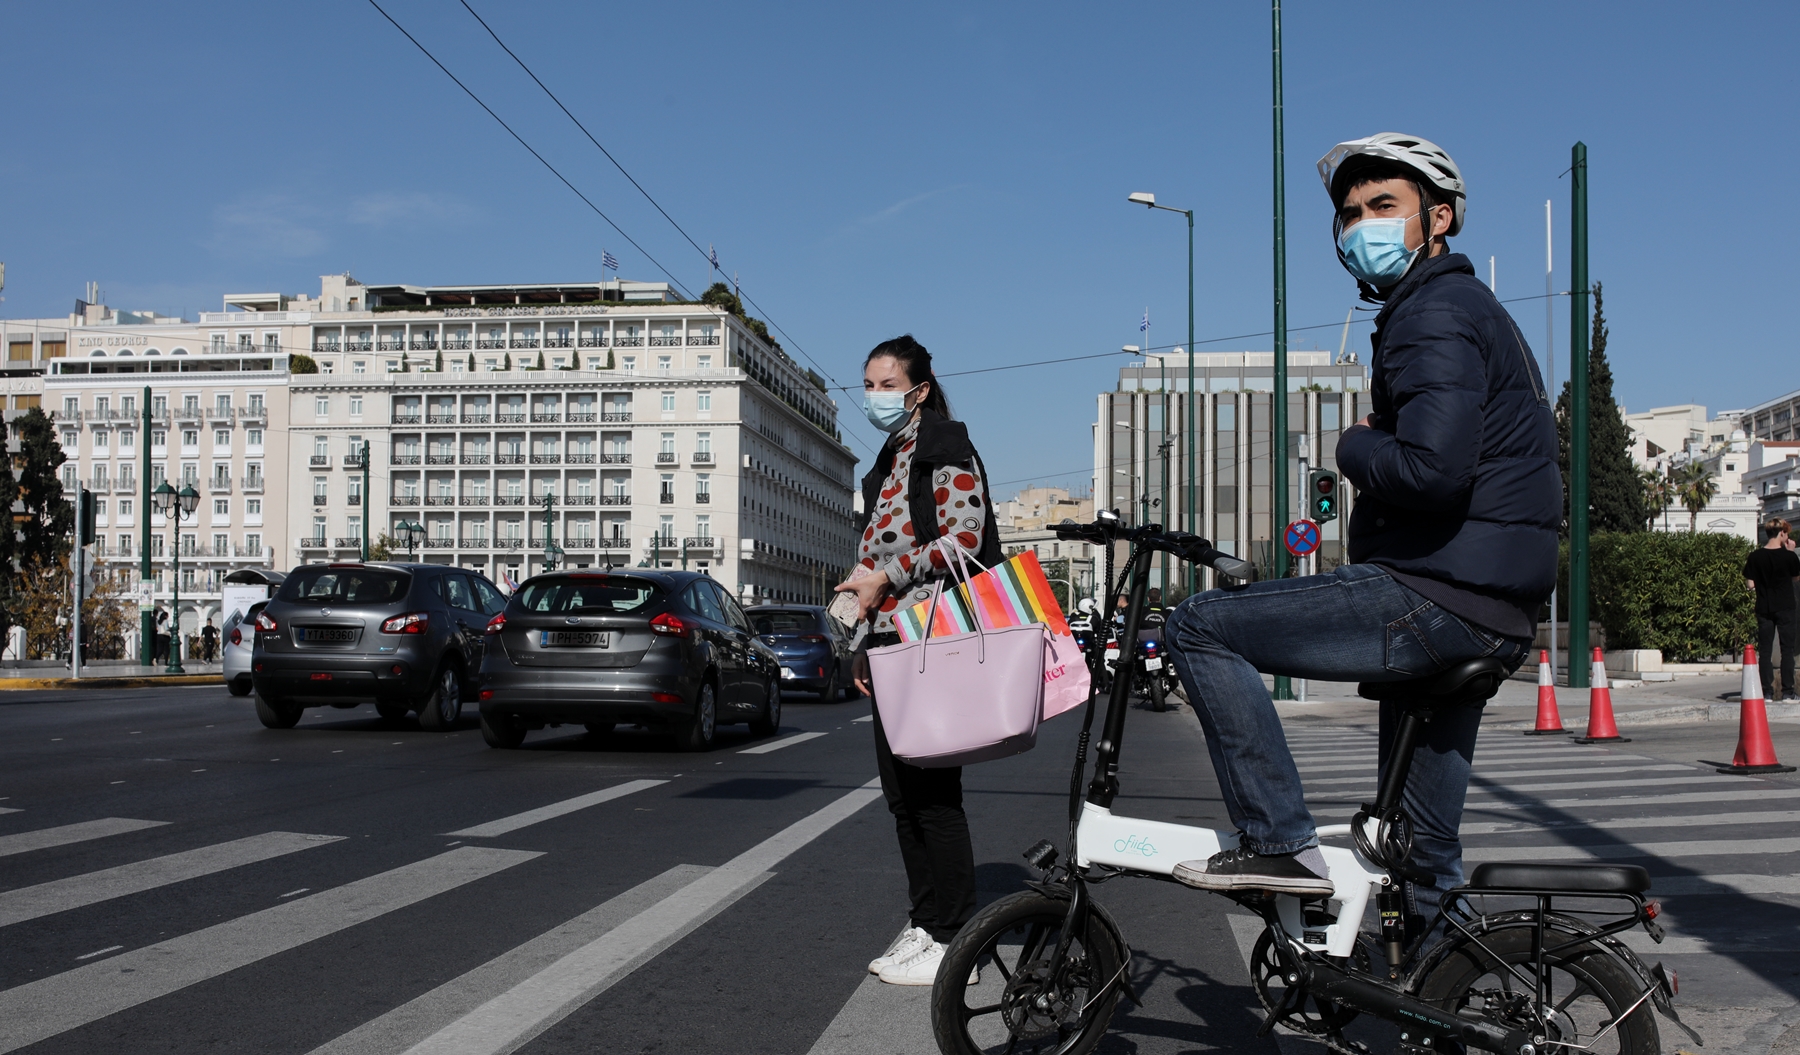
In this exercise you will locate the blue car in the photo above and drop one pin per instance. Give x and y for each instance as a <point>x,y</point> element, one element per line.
<point>813,648</point>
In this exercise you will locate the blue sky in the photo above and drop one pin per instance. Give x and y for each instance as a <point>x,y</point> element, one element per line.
<point>958,171</point>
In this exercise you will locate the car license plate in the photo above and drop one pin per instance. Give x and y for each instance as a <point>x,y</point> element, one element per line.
<point>1112,653</point>
<point>787,673</point>
<point>573,639</point>
<point>320,633</point>
<point>1152,662</point>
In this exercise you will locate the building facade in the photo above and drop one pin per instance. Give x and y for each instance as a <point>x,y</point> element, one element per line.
<point>1139,444</point>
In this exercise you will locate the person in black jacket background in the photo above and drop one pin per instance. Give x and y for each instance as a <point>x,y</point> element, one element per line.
<point>1453,541</point>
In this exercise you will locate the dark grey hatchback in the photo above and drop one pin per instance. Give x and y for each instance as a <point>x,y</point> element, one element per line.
<point>665,649</point>
<point>407,636</point>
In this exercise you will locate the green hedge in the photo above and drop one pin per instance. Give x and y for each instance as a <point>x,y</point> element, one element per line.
<point>1681,593</point>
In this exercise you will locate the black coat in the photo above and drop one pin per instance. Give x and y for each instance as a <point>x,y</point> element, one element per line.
<point>1457,480</point>
<point>941,442</point>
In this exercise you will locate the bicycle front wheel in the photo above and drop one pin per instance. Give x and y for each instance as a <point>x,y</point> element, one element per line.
<point>1588,990</point>
<point>1016,1007</point>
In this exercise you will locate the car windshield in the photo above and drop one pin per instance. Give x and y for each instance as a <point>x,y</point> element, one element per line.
<point>329,585</point>
<point>588,593</point>
<point>785,622</point>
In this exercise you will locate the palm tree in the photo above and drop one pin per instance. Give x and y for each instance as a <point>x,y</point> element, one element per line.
<point>1696,486</point>
<point>1658,493</point>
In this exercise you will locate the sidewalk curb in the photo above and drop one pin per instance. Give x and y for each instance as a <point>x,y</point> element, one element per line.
<point>1697,712</point>
<point>147,682</point>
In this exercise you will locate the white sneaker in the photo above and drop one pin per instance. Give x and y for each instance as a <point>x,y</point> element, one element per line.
<point>921,968</point>
<point>911,940</point>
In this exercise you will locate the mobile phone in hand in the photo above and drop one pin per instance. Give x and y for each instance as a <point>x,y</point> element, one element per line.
<point>843,606</point>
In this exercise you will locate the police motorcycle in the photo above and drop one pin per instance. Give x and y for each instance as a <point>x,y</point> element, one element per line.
<point>1529,961</point>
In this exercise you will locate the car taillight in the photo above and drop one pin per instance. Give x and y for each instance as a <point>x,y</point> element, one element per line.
<point>818,638</point>
<point>668,623</point>
<point>237,636</point>
<point>264,623</point>
<point>410,623</point>
<point>497,624</point>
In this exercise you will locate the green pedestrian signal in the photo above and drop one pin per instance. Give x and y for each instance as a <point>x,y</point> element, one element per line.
<point>1322,492</point>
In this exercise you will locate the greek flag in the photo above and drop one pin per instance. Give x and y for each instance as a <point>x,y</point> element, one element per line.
<point>1144,327</point>
<point>608,261</point>
<point>713,255</point>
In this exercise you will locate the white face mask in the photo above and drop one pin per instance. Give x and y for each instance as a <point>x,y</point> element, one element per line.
<point>887,410</point>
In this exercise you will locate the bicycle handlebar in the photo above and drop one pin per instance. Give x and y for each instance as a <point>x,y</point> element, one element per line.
<point>1107,528</point>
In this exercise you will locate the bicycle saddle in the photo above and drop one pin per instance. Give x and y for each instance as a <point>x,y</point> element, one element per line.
<point>1593,879</point>
<point>1471,681</point>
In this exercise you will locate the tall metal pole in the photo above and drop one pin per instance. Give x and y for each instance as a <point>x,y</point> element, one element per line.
<point>1550,382</point>
<point>174,667</point>
<point>146,616</point>
<point>1578,419</point>
<point>75,570</point>
<point>365,500</point>
<point>1278,467</point>
<point>1193,523</point>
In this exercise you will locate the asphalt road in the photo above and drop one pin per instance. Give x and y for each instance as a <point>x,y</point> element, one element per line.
<point>178,878</point>
<point>174,877</point>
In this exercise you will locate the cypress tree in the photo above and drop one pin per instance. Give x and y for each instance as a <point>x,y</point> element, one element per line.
<point>1615,492</point>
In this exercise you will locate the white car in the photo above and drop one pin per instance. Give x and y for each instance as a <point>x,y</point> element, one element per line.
<point>240,641</point>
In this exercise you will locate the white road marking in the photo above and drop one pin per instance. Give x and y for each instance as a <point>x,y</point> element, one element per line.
<point>1681,821</point>
<point>864,718</point>
<point>430,1012</point>
<point>1688,886</point>
<point>510,1020</point>
<point>1493,779</point>
<point>776,745</point>
<point>61,895</point>
<point>44,838</point>
<point>38,1010</point>
<point>1555,753</point>
<point>555,809</point>
<point>1569,765</point>
<point>8,809</point>
<point>99,952</point>
<point>293,893</point>
<point>1489,786</point>
<point>1695,848</point>
<point>1748,794</point>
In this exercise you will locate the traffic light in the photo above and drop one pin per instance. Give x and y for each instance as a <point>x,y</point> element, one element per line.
<point>85,519</point>
<point>1322,492</point>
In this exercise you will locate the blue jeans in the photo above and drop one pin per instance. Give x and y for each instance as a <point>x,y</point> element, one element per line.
<point>1355,624</point>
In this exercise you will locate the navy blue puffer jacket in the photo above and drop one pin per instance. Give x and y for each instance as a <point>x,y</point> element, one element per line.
<point>1457,481</point>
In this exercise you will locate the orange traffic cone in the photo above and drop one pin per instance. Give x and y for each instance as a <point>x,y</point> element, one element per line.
<point>1601,727</point>
<point>1549,719</point>
<point>1755,752</point>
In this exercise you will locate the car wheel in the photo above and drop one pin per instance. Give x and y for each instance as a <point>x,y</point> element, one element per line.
<point>240,686</point>
<point>392,712</point>
<point>502,730</point>
<point>697,734</point>
<point>443,707</point>
<point>600,728</point>
<point>769,722</point>
<point>278,714</point>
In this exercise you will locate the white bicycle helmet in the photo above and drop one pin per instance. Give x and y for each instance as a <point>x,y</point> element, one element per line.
<point>1420,155</point>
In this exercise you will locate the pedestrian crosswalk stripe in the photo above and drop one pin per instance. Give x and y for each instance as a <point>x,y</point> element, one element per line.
<point>424,1015</point>
<point>1569,765</point>
<point>1660,767</point>
<point>511,1019</point>
<point>555,809</point>
<point>1612,824</point>
<point>864,718</point>
<point>1560,753</point>
<point>41,1009</point>
<point>61,895</point>
<point>1481,785</point>
<point>82,831</point>
<point>1688,886</point>
<point>776,745</point>
<point>8,809</point>
<point>1747,793</point>
<point>1610,851</point>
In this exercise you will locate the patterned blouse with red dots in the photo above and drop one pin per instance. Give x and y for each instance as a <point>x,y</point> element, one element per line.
<point>888,545</point>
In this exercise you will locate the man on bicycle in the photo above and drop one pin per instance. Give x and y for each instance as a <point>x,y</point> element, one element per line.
<point>1453,539</point>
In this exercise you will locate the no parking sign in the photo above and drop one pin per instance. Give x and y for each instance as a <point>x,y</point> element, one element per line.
<point>1302,537</point>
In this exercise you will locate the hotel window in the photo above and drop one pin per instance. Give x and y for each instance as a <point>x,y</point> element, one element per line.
<point>101,439</point>
<point>318,531</point>
<point>703,443</point>
<point>252,545</point>
<point>253,437</point>
<point>630,362</point>
<point>667,443</point>
<point>703,487</point>
<point>322,405</point>
<point>221,507</point>
<point>71,406</point>
<point>128,405</point>
<point>272,343</point>
<point>703,401</point>
<point>218,342</point>
<point>221,545</point>
<point>321,446</point>
<point>667,496</point>
<point>664,364</point>
<point>190,474</point>
<point>668,402</point>
<point>256,403</point>
<point>222,404</point>
<point>159,406</point>
<point>703,526</point>
<point>356,405</point>
<point>221,437</point>
<point>124,545</point>
<point>253,507</point>
<point>359,366</point>
<point>190,437</point>
<point>246,342</point>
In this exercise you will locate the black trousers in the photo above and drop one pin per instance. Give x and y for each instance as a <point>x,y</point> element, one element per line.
<point>934,839</point>
<point>1787,625</point>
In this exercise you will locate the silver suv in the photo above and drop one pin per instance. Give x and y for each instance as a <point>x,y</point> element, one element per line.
<point>406,636</point>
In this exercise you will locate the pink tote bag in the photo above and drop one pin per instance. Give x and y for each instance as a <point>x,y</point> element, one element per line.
<point>958,700</point>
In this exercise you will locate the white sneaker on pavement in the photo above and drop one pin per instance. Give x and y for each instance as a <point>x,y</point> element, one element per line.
<point>921,968</point>
<point>910,940</point>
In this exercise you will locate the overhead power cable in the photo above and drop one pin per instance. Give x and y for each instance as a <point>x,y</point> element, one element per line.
<point>709,257</point>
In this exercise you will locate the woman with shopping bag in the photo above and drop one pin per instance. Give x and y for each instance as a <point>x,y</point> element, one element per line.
<point>926,492</point>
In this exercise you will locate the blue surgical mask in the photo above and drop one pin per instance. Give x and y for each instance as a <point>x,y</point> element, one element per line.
<point>887,410</point>
<point>1375,251</point>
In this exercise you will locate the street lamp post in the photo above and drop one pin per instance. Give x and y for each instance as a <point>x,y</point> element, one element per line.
<point>413,533</point>
<point>175,506</point>
<point>1191,523</point>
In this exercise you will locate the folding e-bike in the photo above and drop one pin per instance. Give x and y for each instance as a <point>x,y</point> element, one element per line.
<point>1543,973</point>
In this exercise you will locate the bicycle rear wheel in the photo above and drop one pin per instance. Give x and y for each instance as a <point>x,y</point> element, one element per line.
<point>1014,1008</point>
<point>1588,990</point>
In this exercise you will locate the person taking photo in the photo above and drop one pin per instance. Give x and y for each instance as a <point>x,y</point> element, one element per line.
<point>926,490</point>
<point>1770,571</point>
